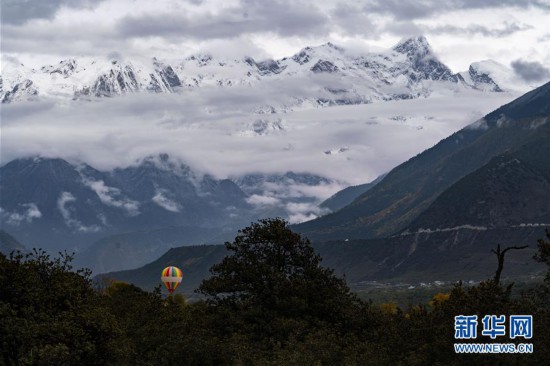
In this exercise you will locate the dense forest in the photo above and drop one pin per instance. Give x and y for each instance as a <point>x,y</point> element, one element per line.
<point>269,302</point>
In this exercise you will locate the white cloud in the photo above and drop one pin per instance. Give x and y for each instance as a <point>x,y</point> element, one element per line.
<point>480,124</point>
<point>66,197</point>
<point>111,196</point>
<point>321,191</point>
<point>118,132</point>
<point>30,213</point>
<point>63,205</point>
<point>259,200</point>
<point>160,199</point>
<point>300,212</point>
<point>300,217</point>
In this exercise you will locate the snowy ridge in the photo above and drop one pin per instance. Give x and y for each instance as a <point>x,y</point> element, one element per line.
<point>334,77</point>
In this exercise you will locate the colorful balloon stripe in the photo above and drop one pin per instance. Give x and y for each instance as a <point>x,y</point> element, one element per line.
<point>171,277</point>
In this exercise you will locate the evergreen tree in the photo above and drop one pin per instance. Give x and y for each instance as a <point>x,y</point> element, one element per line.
<point>51,315</point>
<point>276,272</point>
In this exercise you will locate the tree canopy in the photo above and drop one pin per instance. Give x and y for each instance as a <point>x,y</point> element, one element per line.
<point>52,315</point>
<point>269,302</point>
<point>277,271</point>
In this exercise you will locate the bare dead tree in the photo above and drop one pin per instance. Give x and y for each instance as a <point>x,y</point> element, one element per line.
<point>500,256</point>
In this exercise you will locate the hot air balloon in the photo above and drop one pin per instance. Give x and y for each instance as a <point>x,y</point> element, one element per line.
<point>171,276</point>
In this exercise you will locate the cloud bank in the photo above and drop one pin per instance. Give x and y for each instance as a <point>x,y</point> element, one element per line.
<point>208,130</point>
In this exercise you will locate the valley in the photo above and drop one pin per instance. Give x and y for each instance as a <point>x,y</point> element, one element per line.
<point>173,182</point>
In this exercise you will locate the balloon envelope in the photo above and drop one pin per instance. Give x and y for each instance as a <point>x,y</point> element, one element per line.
<point>171,276</point>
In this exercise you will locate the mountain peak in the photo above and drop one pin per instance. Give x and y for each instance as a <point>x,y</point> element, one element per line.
<point>37,161</point>
<point>308,53</point>
<point>414,46</point>
<point>202,59</point>
<point>64,68</point>
<point>367,75</point>
<point>332,46</point>
<point>165,162</point>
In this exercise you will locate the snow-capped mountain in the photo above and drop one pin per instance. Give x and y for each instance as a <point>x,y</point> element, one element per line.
<point>487,75</point>
<point>81,78</point>
<point>56,204</point>
<point>67,200</point>
<point>409,70</point>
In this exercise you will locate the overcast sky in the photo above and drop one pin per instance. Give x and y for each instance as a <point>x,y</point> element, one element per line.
<point>515,33</point>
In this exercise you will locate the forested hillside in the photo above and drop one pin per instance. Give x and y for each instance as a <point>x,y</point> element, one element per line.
<point>269,302</point>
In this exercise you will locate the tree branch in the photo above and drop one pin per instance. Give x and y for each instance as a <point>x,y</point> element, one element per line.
<point>500,257</point>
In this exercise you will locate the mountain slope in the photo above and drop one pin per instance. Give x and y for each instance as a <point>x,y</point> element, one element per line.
<point>486,185</point>
<point>506,202</point>
<point>194,261</point>
<point>423,257</point>
<point>57,205</point>
<point>135,249</point>
<point>126,217</point>
<point>8,243</point>
<point>512,190</point>
<point>348,195</point>
<point>411,187</point>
